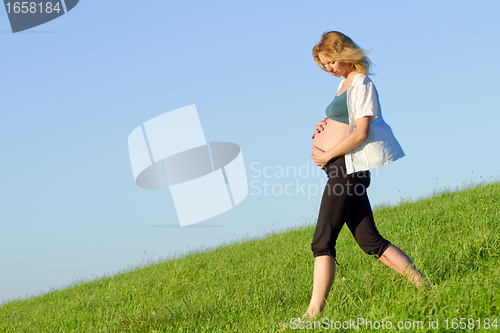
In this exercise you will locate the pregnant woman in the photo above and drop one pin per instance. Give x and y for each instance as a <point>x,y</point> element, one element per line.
<point>353,139</point>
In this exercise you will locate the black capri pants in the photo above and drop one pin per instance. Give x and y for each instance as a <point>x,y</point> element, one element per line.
<point>345,201</point>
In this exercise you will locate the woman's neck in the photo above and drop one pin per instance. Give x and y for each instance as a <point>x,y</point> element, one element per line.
<point>351,74</point>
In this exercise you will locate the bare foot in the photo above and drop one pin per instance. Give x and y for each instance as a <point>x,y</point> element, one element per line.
<point>311,313</point>
<point>422,282</point>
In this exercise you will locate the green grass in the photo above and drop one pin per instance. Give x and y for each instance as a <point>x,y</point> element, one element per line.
<point>250,287</point>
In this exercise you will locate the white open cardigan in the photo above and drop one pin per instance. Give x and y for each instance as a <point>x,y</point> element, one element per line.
<point>381,146</point>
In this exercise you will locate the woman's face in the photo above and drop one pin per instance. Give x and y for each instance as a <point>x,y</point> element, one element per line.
<point>337,69</point>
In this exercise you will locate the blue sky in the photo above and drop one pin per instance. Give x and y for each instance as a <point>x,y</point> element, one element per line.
<point>74,88</point>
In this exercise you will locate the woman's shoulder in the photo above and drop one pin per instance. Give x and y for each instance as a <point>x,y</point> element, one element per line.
<point>362,84</point>
<point>362,79</point>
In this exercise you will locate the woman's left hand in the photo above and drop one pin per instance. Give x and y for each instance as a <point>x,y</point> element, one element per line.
<point>319,157</point>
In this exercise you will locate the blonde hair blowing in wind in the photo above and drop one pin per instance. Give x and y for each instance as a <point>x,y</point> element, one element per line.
<point>341,48</point>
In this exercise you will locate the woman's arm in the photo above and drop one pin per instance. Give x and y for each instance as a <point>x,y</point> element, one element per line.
<point>351,141</point>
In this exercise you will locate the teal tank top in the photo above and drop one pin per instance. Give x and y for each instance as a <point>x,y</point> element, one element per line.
<point>337,110</point>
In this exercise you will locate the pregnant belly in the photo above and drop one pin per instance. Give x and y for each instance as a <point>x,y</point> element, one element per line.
<point>333,133</point>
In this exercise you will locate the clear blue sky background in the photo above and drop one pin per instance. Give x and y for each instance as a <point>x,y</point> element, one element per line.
<point>73,89</point>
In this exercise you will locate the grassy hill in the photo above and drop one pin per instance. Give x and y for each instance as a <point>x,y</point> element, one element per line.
<point>250,287</point>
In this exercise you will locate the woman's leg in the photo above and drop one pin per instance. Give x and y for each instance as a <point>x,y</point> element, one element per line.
<point>324,273</point>
<point>396,259</point>
<point>335,206</point>
<point>362,226</point>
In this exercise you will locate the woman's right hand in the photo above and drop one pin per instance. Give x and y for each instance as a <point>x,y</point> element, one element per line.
<point>319,127</point>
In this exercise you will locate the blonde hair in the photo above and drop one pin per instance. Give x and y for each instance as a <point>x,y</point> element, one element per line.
<point>341,48</point>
